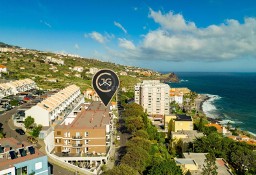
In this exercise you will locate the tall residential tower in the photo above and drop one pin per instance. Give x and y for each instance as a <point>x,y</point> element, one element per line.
<point>153,96</point>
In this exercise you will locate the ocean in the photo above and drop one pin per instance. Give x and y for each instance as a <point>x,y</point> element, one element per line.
<point>232,96</point>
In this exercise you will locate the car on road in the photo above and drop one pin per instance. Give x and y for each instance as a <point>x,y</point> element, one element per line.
<point>20,131</point>
<point>118,138</point>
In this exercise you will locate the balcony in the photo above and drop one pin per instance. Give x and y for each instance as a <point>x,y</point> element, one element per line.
<point>77,145</point>
<point>77,137</point>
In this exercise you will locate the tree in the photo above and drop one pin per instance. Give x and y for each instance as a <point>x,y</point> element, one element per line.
<point>141,133</point>
<point>122,169</point>
<point>29,121</point>
<point>133,124</point>
<point>137,158</point>
<point>200,125</point>
<point>133,109</point>
<point>166,167</point>
<point>210,168</point>
<point>170,129</point>
<point>36,130</point>
<point>139,142</point>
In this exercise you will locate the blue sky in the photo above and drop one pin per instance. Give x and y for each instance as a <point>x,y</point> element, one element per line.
<point>164,35</point>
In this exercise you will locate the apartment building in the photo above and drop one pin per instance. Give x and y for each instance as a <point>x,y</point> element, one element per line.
<point>153,96</point>
<point>15,87</point>
<point>18,158</point>
<point>88,134</point>
<point>55,107</point>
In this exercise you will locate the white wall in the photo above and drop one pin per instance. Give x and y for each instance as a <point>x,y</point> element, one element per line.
<point>9,170</point>
<point>40,115</point>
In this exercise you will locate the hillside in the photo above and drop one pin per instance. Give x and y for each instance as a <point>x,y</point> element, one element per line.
<point>54,71</point>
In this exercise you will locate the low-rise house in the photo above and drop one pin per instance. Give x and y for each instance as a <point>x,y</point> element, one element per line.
<point>53,80</point>
<point>78,68</point>
<point>15,87</point>
<point>180,122</point>
<point>18,158</point>
<point>91,95</point>
<point>220,129</point>
<point>176,96</point>
<point>195,162</point>
<point>123,73</point>
<point>186,136</point>
<point>3,68</point>
<point>93,70</point>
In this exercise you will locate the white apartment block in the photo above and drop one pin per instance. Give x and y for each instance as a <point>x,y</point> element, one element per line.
<point>15,87</point>
<point>153,96</point>
<point>55,106</point>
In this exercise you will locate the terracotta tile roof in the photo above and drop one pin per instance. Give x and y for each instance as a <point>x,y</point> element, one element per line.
<point>217,126</point>
<point>6,162</point>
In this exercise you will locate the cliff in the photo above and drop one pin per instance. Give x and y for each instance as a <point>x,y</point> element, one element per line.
<point>170,77</point>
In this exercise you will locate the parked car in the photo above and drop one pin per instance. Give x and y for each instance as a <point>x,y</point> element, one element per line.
<point>20,131</point>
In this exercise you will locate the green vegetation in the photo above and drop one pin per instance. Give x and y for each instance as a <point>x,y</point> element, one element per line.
<point>36,130</point>
<point>238,154</point>
<point>29,121</point>
<point>32,64</point>
<point>145,152</point>
<point>210,168</point>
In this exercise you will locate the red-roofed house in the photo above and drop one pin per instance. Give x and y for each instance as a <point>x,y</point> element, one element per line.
<point>3,68</point>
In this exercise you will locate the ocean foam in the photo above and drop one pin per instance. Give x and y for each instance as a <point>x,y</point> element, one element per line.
<point>183,80</point>
<point>208,106</point>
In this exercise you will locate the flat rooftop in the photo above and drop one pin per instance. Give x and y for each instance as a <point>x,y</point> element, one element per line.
<point>182,117</point>
<point>95,116</point>
<point>12,152</point>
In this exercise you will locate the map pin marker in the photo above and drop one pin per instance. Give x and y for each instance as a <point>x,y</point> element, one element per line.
<point>105,82</point>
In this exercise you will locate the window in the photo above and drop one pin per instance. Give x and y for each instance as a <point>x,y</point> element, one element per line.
<point>58,133</point>
<point>86,134</point>
<point>38,165</point>
<point>86,141</point>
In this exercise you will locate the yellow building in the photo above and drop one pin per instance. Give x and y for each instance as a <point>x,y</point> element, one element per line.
<point>167,119</point>
<point>182,122</point>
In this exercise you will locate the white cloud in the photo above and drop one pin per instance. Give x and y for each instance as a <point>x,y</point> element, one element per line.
<point>46,23</point>
<point>177,39</point>
<point>100,38</point>
<point>120,26</point>
<point>96,36</point>
<point>171,21</point>
<point>126,44</point>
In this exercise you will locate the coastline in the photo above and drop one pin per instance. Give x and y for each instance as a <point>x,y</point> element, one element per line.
<point>204,98</point>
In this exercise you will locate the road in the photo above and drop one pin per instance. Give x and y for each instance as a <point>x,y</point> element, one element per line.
<point>10,132</point>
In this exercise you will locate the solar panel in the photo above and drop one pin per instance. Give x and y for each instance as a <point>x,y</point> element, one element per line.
<point>13,154</point>
<point>1,149</point>
<point>22,152</point>
<point>31,149</point>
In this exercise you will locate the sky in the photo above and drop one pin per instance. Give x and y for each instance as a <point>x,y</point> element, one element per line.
<point>163,35</point>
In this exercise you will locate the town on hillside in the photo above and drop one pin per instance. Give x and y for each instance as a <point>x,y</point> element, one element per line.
<point>52,121</point>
